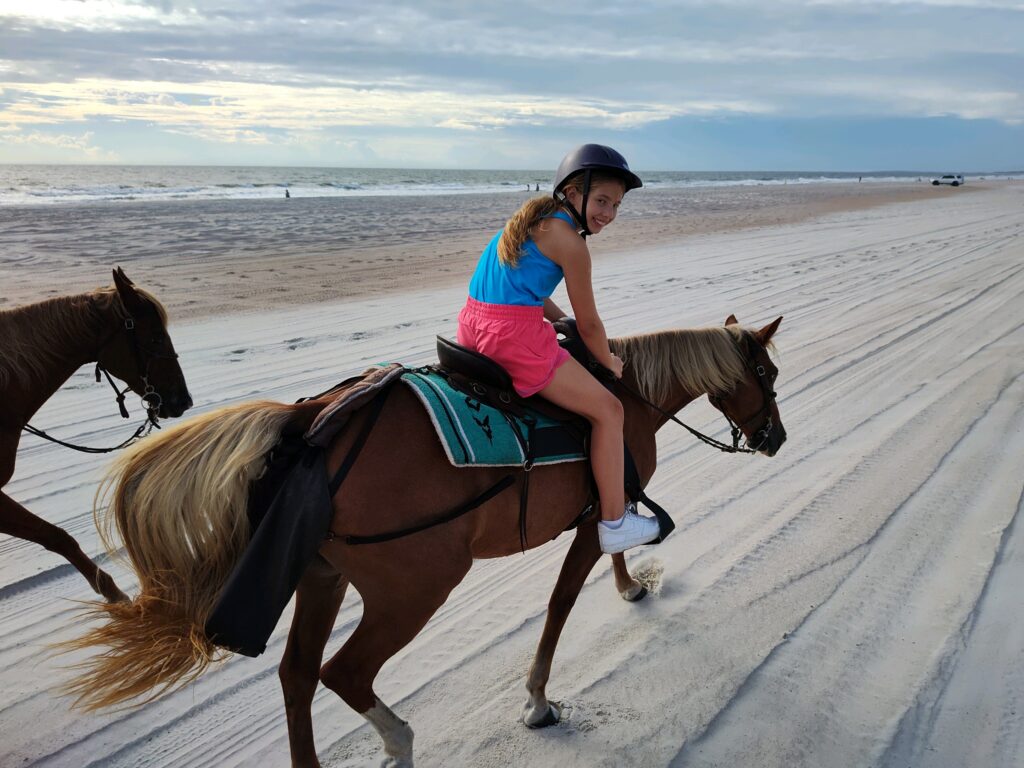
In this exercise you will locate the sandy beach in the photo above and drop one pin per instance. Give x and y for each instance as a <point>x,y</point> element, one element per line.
<point>854,601</point>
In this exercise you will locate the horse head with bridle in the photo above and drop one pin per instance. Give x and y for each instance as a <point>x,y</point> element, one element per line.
<point>178,503</point>
<point>123,330</point>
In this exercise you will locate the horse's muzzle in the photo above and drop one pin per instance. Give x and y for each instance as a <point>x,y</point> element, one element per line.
<point>174,406</point>
<point>773,442</point>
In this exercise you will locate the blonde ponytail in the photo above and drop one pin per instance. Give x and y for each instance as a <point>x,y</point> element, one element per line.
<point>517,228</point>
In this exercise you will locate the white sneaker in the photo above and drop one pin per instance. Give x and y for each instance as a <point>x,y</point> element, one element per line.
<point>634,530</point>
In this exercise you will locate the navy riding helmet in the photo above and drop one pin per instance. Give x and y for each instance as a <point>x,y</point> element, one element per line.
<point>585,159</point>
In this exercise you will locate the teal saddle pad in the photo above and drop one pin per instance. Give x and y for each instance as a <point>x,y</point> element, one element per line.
<point>477,435</point>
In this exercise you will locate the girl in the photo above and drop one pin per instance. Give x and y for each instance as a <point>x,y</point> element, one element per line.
<point>509,312</point>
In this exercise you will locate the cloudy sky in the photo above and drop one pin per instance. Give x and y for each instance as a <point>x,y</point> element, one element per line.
<point>675,84</point>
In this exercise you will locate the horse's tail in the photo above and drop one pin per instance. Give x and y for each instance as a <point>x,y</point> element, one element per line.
<point>178,502</point>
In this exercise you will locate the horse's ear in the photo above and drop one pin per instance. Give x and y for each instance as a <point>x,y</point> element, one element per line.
<point>766,333</point>
<point>126,290</point>
<point>731,320</point>
<point>120,275</point>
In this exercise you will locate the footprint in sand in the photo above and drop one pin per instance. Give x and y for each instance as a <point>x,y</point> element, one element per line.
<point>649,572</point>
<point>587,716</point>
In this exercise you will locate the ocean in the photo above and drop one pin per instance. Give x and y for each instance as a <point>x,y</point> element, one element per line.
<point>64,184</point>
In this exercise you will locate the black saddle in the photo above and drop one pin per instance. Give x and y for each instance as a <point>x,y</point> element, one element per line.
<point>474,366</point>
<point>479,375</point>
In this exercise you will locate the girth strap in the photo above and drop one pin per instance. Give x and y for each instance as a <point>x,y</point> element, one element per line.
<point>524,500</point>
<point>469,506</point>
<point>375,408</point>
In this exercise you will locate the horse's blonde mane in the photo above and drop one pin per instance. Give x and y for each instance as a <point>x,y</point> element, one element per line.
<point>31,335</point>
<point>699,359</point>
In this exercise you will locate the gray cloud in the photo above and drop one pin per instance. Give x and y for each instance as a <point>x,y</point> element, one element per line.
<point>836,57</point>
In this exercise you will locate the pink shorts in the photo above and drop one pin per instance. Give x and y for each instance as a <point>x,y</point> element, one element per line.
<point>517,338</point>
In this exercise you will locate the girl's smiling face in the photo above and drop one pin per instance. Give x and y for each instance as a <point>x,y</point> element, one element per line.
<point>602,204</point>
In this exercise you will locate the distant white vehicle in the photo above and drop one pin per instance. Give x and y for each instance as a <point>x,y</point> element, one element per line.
<point>953,179</point>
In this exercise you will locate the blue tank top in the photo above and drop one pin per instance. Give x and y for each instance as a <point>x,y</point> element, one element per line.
<point>531,281</point>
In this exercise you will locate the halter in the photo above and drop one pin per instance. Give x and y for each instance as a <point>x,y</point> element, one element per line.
<point>151,399</point>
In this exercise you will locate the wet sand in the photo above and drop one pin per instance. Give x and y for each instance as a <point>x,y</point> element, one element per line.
<point>206,258</point>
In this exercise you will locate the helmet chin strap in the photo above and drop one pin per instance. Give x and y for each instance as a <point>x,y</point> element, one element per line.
<point>580,216</point>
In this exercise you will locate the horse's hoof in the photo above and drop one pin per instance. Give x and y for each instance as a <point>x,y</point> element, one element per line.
<point>551,717</point>
<point>631,596</point>
<point>105,586</point>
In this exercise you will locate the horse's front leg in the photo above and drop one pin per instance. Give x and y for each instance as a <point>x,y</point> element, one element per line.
<point>584,552</point>
<point>629,588</point>
<point>18,522</point>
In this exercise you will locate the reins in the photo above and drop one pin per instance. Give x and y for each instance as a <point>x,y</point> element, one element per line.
<point>150,397</point>
<point>144,429</point>
<point>724,447</point>
<point>764,433</point>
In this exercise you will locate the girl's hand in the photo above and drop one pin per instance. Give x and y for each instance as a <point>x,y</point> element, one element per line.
<point>616,366</point>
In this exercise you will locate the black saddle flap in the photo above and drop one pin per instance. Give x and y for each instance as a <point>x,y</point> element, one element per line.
<point>472,365</point>
<point>284,542</point>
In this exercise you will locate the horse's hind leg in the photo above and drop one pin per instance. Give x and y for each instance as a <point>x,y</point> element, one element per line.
<point>584,552</point>
<point>400,594</point>
<point>17,521</point>
<point>629,588</point>
<point>317,601</point>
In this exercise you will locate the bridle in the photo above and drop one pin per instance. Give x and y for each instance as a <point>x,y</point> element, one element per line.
<point>144,356</point>
<point>151,399</point>
<point>768,396</point>
<point>764,434</point>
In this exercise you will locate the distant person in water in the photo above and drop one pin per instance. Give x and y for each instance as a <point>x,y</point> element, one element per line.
<point>509,312</point>
<point>536,187</point>
<point>287,194</point>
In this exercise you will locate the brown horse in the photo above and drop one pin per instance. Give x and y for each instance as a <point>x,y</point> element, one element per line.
<point>123,330</point>
<point>178,501</point>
